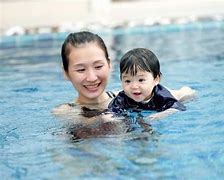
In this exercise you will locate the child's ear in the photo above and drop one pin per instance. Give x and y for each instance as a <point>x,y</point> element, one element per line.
<point>109,63</point>
<point>157,80</point>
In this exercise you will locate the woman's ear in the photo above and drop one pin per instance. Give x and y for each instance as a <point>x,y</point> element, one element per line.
<point>66,76</point>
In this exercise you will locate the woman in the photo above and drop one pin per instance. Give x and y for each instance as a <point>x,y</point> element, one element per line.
<point>87,65</point>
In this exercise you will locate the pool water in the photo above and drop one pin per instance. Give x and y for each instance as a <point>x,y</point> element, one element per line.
<point>34,144</point>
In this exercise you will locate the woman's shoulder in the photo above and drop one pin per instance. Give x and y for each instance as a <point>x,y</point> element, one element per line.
<point>62,108</point>
<point>111,94</point>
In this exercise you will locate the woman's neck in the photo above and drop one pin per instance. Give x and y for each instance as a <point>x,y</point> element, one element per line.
<point>94,101</point>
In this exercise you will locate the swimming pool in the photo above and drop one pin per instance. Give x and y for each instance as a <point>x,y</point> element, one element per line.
<point>185,145</point>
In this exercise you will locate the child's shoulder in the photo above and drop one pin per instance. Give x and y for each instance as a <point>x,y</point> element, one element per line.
<point>161,90</point>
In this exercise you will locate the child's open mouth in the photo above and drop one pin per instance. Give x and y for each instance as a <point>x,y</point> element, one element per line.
<point>137,94</point>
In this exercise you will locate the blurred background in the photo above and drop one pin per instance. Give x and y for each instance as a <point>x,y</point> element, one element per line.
<point>29,16</point>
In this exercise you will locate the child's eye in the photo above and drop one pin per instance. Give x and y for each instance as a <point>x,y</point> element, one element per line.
<point>127,81</point>
<point>141,80</point>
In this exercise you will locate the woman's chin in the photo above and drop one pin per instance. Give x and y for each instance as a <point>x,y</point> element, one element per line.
<point>93,94</point>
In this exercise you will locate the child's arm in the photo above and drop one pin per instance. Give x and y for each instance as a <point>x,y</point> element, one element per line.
<point>163,114</point>
<point>183,94</point>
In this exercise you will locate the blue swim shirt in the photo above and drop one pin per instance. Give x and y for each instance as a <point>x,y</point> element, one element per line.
<point>162,99</point>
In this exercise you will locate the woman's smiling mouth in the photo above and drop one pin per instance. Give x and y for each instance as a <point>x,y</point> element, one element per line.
<point>92,87</point>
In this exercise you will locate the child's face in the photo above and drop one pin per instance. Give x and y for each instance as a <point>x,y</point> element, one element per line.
<point>88,71</point>
<point>140,86</point>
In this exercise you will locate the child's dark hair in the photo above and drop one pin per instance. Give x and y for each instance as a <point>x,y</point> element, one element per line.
<point>140,59</point>
<point>78,38</point>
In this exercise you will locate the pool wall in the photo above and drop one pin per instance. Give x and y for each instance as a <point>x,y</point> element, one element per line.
<point>40,16</point>
<point>203,24</point>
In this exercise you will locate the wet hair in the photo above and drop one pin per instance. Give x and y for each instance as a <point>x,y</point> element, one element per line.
<point>140,59</point>
<point>75,40</point>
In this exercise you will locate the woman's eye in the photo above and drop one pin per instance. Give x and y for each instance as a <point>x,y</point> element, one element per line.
<point>80,70</point>
<point>99,67</point>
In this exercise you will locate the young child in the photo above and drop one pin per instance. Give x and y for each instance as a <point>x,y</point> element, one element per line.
<point>140,76</point>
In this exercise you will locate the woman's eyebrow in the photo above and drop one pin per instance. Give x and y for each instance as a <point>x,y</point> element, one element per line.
<point>77,66</point>
<point>86,64</point>
<point>98,61</point>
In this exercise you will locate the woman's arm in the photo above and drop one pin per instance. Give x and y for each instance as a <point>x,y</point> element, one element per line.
<point>61,109</point>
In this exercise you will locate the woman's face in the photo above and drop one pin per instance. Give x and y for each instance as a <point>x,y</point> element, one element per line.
<point>88,71</point>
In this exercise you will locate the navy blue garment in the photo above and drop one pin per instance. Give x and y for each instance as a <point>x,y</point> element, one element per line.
<point>162,99</point>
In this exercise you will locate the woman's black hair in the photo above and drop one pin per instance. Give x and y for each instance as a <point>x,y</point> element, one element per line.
<point>75,40</point>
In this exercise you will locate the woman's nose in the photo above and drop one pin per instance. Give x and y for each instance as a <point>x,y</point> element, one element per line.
<point>91,75</point>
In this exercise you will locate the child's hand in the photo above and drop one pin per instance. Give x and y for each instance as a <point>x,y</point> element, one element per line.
<point>183,94</point>
<point>162,114</point>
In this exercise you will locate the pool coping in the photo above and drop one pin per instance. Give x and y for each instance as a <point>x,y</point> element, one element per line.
<point>165,25</point>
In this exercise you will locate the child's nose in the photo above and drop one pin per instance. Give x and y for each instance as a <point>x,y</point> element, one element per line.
<point>134,85</point>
